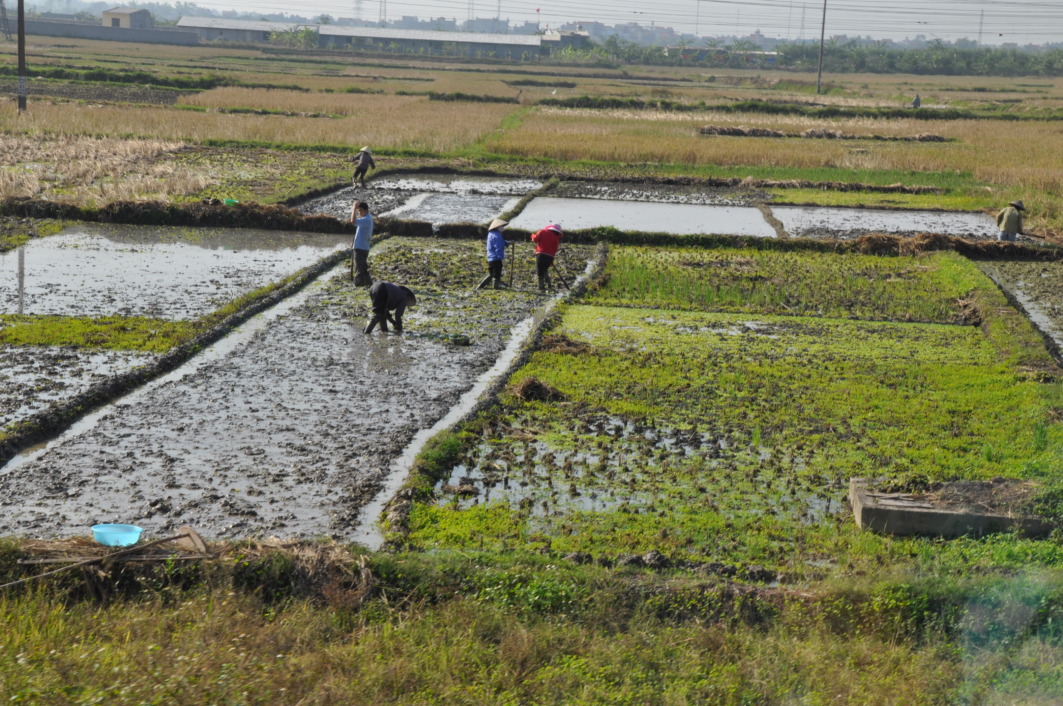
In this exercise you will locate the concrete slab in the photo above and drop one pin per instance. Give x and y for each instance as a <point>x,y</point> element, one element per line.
<point>907,514</point>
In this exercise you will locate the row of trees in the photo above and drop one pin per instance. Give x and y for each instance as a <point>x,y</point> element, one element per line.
<point>851,57</point>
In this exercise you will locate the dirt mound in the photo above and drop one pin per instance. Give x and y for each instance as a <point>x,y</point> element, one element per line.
<point>560,343</point>
<point>884,244</point>
<point>534,390</point>
<point>733,131</point>
<point>812,134</point>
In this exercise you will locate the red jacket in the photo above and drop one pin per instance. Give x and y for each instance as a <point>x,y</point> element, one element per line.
<point>547,240</point>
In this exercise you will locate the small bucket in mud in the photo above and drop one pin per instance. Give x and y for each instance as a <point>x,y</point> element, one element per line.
<point>230,202</point>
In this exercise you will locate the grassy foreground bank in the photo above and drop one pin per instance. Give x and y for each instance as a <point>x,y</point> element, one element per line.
<point>325,625</point>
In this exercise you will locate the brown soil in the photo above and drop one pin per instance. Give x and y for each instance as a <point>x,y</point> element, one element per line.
<point>532,388</point>
<point>559,343</point>
<point>95,92</point>
<point>812,134</point>
<point>999,496</point>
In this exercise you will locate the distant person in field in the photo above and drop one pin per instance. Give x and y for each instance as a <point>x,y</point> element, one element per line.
<point>385,298</point>
<point>546,242</point>
<point>916,102</point>
<point>363,236</point>
<point>1009,221</point>
<point>363,162</point>
<point>496,253</point>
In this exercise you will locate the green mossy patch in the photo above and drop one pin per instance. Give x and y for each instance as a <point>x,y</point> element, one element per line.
<point>926,288</point>
<point>110,332</point>
<point>718,437</point>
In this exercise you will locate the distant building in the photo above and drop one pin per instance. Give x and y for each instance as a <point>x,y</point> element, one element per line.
<point>390,39</point>
<point>127,18</point>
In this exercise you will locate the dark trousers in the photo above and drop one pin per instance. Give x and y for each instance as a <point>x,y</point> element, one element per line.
<point>359,174</point>
<point>378,297</point>
<point>494,267</point>
<point>542,268</point>
<point>361,268</point>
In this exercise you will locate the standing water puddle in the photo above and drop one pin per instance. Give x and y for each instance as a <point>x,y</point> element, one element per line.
<point>811,221</point>
<point>677,219</point>
<point>168,273</point>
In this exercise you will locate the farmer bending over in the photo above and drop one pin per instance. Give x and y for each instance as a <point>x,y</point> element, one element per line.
<point>496,253</point>
<point>363,236</point>
<point>546,242</point>
<point>387,297</point>
<point>1009,221</point>
<point>363,161</point>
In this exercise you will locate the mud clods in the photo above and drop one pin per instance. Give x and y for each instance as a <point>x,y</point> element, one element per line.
<point>533,389</point>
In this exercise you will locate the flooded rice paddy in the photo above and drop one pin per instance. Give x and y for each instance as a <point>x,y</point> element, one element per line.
<point>290,433</point>
<point>677,219</point>
<point>436,199</point>
<point>678,209</point>
<point>32,378</point>
<point>817,222</point>
<point>164,273</point>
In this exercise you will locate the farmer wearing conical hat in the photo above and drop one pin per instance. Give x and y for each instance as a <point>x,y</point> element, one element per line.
<point>363,161</point>
<point>496,253</point>
<point>1009,221</point>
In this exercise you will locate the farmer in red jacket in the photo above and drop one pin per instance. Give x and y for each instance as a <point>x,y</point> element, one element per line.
<point>546,242</point>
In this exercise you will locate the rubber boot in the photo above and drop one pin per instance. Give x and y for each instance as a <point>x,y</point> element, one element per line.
<point>484,281</point>
<point>542,284</point>
<point>546,280</point>
<point>370,326</point>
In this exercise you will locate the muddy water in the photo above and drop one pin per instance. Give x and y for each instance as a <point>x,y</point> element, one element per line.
<point>678,219</point>
<point>660,193</point>
<point>33,377</point>
<point>453,208</point>
<point>291,433</point>
<point>815,222</point>
<point>168,273</point>
<point>441,199</point>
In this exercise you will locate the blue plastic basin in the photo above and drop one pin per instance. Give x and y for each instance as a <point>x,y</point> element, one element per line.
<point>116,535</point>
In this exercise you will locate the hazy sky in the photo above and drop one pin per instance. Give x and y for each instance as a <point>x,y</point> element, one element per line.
<point>996,21</point>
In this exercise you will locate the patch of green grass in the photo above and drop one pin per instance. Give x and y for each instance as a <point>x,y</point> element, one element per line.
<point>727,438</point>
<point>957,200</point>
<point>926,288</point>
<point>110,332</point>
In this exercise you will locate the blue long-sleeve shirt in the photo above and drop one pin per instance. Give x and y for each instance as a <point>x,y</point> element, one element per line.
<point>364,232</point>
<point>496,245</point>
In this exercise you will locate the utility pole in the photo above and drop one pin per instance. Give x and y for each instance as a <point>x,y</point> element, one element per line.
<point>822,35</point>
<point>981,17</point>
<point>383,13</point>
<point>21,56</point>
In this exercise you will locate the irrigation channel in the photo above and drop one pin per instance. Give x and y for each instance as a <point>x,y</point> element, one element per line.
<point>297,424</point>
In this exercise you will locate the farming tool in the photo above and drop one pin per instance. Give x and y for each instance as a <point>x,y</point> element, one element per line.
<point>187,540</point>
<point>560,275</point>
<point>512,247</point>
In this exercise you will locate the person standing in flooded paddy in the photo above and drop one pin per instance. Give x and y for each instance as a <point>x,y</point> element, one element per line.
<point>363,236</point>
<point>363,161</point>
<point>1009,221</point>
<point>496,253</point>
<point>546,242</point>
<point>385,298</point>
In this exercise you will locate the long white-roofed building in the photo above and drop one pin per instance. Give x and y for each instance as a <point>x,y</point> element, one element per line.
<point>406,41</point>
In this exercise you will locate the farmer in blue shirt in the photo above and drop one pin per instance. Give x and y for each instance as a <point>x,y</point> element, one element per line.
<point>363,234</point>
<point>496,253</point>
